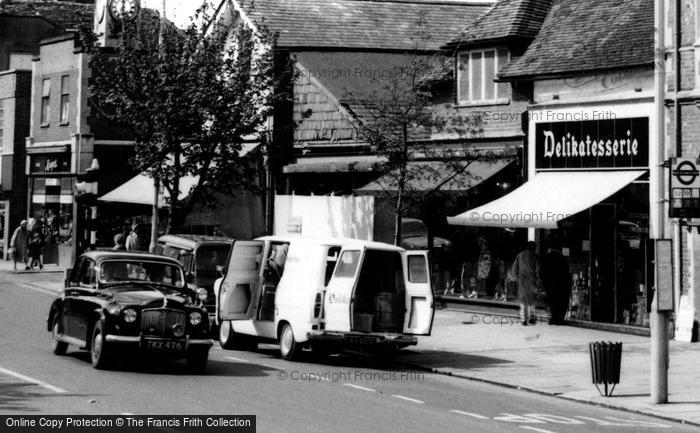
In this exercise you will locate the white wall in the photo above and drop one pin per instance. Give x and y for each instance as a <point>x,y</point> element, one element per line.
<point>325,216</point>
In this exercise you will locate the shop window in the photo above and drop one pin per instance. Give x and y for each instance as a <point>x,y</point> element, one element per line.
<point>476,74</point>
<point>45,101</point>
<point>65,99</point>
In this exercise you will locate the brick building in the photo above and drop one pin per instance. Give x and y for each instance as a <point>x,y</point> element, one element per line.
<point>23,24</point>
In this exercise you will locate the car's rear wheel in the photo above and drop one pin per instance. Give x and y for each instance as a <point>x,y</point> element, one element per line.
<point>58,347</point>
<point>197,360</point>
<point>99,350</point>
<point>289,348</point>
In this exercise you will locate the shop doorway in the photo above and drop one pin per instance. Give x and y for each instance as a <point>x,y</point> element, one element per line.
<point>604,261</point>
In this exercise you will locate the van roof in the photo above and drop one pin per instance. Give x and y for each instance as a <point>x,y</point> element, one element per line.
<point>331,241</point>
<point>189,242</point>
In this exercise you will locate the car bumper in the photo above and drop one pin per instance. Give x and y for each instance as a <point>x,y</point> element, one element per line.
<point>362,339</point>
<point>136,340</point>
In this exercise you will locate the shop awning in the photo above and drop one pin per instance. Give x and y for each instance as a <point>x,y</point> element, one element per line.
<point>140,190</point>
<point>429,175</point>
<point>335,164</point>
<point>548,198</point>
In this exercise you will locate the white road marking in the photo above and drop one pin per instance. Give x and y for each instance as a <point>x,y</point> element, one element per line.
<point>362,388</point>
<point>34,381</point>
<point>412,400</point>
<point>247,361</point>
<point>539,430</point>
<point>39,289</point>
<point>127,413</point>
<point>473,415</point>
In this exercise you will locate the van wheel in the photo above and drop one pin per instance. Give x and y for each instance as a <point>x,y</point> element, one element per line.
<point>231,340</point>
<point>57,347</point>
<point>289,348</point>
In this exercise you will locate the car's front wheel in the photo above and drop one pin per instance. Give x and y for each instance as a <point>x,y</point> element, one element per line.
<point>99,350</point>
<point>58,347</point>
<point>289,348</point>
<point>197,360</point>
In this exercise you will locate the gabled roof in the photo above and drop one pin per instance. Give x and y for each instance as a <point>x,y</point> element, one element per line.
<point>361,24</point>
<point>504,20</point>
<point>67,14</point>
<point>579,36</point>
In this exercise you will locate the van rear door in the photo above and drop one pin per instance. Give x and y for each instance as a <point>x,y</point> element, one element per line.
<point>337,302</point>
<point>241,285</point>
<point>419,294</point>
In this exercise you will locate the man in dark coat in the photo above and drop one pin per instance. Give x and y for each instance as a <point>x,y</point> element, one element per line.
<point>526,268</point>
<point>556,281</point>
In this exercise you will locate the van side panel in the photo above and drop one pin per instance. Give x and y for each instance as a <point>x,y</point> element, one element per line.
<point>419,294</point>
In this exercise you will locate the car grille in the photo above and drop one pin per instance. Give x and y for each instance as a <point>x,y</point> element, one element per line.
<point>160,321</point>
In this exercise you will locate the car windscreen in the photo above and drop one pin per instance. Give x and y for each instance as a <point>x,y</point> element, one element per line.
<point>209,257</point>
<point>114,271</point>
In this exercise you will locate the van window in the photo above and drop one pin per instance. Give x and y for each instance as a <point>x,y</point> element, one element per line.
<point>331,261</point>
<point>417,270</point>
<point>347,266</point>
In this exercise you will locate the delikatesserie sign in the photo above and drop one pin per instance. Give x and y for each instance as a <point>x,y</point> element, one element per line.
<point>608,143</point>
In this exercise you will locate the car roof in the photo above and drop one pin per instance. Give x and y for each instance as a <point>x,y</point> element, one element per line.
<point>331,241</point>
<point>190,242</point>
<point>100,256</point>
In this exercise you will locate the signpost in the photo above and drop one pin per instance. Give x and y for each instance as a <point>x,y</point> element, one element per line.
<point>685,188</point>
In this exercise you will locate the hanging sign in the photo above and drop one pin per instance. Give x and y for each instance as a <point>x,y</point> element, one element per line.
<point>685,188</point>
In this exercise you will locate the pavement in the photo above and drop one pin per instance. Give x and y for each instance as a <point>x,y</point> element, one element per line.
<point>554,360</point>
<point>6,266</point>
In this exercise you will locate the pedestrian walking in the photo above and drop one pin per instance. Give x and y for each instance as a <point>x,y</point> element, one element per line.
<point>119,242</point>
<point>19,244</point>
<point>483,270</point>
<point>556,282</point>
<point>526,268</point>
<point>36,244</point>
<point>133,241</point>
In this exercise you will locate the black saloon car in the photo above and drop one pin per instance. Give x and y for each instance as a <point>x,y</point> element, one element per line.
<point>116,301</point>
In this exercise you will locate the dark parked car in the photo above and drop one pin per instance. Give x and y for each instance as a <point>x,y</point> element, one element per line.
<point>118,301</point>
<point>203,258</point>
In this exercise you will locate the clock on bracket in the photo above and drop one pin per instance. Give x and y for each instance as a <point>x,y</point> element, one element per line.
<point>123,10</point>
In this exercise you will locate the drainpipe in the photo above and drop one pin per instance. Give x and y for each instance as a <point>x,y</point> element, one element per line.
<point>678,229</point>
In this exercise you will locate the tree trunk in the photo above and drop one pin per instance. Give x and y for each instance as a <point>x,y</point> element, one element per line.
<point>401,188</point>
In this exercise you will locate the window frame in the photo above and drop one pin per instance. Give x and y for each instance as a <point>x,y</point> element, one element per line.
<point>2,126</point>
<point>498,98</point>
<point>45,105</point>
<point>64,108</point>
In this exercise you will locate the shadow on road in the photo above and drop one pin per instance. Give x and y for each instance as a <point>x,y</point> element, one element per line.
<point>444,359</point>
<point>23,397</point>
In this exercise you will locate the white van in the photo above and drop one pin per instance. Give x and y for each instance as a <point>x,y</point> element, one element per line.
<point>331,294</point>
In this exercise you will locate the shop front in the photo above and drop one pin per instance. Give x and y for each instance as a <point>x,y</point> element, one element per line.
<point>587,194</point>
<point>51,198</point>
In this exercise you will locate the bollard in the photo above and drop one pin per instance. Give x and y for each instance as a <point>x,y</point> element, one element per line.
<point>606,358</point>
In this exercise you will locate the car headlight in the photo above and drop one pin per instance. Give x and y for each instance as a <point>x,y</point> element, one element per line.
<point>129,315</point>
<point>202,294</point>
<point>195,318</point>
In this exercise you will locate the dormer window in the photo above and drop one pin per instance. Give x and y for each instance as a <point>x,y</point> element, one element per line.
<point>476,72</point>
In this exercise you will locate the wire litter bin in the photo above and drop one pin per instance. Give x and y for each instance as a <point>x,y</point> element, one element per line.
<point>605,365</point>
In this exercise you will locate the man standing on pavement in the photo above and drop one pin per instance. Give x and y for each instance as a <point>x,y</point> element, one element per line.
<point>18,244</point>
<point>526,268</point>
<point>556,281</point>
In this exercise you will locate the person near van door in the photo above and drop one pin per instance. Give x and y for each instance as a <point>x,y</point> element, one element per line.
<point>556,282</point>
<point>19,243</point>
<point>119,242</point>
<point>526,268</point>
<point>133,241</point>
<point>278,257</point>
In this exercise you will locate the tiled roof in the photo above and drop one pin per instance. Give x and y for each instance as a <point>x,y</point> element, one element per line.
<point>66,14</point>
<point>589,35</point>
<point>361,24</point>
<point>505,19</point>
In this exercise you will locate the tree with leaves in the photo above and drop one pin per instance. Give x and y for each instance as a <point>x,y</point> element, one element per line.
<point>400,118</point>
<point>190,96</point>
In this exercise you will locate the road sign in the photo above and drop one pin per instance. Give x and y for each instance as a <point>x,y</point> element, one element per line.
<point>685,188</point>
